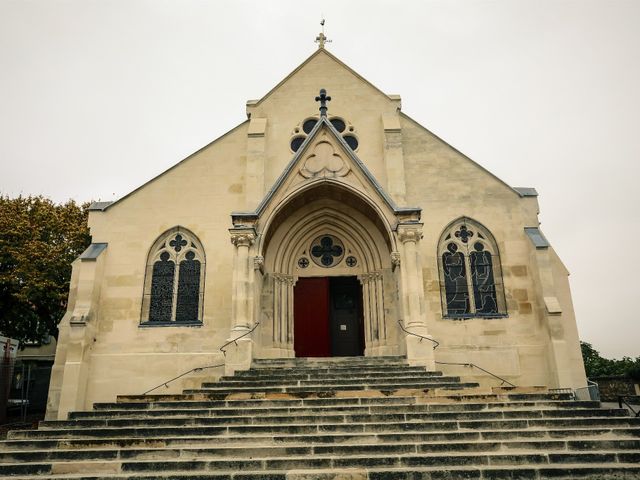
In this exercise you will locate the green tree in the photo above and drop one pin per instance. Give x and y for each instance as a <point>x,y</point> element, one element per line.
<point>598,366</point>
<point>38,241</point>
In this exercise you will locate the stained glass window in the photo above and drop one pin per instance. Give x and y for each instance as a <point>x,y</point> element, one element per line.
<point>327,251</point>
<point>162,289</point>
<point>174,280</point>
<point>308,125</point>
<point>455,279</point>
<point>188,289</point>
<point>296,143</point>
<point>484,288</point>
<point>338,123</point>
<point>351,141</point>
<point>470,272</point>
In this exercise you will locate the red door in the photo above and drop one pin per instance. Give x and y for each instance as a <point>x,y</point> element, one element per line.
<point>311,317</point>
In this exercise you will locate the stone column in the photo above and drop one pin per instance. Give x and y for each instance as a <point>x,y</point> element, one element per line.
<point>382,328</point>
<point>283,314</point>
<point>419,351</point>
<point>239,355</point>
<point>366,306</point>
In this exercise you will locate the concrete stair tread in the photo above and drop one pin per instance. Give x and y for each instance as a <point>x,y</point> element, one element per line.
<point>393,427</point>
<point>353,418</point>
<point>563,472</point>
<point>210,413</point>
<point>506,446</point>
<point>310,389</point>
<point>333,419</point>
<point>450,396</point>
<point>549,455</point>
<point>415,462</point>
<point>631,420</point>
<point>260,406</point>
<point>488,432</point>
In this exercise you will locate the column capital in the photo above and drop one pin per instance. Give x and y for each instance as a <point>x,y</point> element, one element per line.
<point>242,237</point>
<point>410,232</point>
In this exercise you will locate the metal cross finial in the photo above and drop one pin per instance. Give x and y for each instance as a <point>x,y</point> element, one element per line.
<point>323,98</point>
<point>321,39</point>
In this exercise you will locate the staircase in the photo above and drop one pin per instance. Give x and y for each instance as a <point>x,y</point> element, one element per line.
<point>333,419</point>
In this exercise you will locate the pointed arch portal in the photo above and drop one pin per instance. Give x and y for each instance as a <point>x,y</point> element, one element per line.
<point>327,217</point>
<point>326,255</point>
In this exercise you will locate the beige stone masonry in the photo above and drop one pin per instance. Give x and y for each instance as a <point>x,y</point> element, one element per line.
<point>279,202</point>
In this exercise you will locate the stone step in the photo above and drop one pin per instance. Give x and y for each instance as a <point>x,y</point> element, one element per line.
<point>353,409</point>
<point>382,398</point>
<point>332,373</point>
<point>269,451</point>
<point>204,427</point>
<point>330,361</point>
<point>190,420</point>
<point>324,438</point>
<point>291,462</point>
<point>592,471</point>
<point>350,380</point>
<point>365,369</point>
<point>155,403</point>
<point>315,386</point>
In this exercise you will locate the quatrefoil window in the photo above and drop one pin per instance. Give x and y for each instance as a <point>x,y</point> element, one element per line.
<point>327,251</point>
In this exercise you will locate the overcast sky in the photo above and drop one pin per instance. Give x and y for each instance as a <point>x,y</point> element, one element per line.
<point>98,97</point>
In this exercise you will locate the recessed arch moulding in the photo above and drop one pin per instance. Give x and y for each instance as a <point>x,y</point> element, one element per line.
<point>374,237</point>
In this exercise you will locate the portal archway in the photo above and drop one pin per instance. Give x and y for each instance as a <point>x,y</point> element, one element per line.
<point>327,233</point>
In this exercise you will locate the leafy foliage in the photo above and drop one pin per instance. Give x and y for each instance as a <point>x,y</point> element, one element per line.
<point>597,366</point>
<point>38,242</point>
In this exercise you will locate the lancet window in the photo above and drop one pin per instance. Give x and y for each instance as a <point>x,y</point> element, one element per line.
<point>470,272</point>
<point>174,280</point>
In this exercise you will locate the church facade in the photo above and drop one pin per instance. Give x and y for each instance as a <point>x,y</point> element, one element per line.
<point>329,223</point>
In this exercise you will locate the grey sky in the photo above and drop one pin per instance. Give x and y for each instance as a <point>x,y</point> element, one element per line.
<point>97,97</point>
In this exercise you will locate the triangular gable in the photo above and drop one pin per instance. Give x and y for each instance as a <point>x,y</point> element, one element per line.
<point>320,51</point>
<point>518,191</point>
<point>325,156</point>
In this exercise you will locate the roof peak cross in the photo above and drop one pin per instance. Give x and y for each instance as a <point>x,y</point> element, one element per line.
<point>321,39</point>
<point>323,98</point>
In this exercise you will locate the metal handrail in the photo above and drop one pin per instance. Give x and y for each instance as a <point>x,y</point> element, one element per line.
<point>591,388</point>
<point>622,399</point>
<point>235,340</point>
<point>451,363</point>
<point>197,369</point>
<point>479,368</point>
<point>435,342</point>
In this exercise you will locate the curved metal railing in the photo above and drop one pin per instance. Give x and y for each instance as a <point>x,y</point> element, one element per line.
<point>198,369</point>
<point>235,340</point>
<point>622,400</point>
<point>435,342</point>
<point>472,365</point>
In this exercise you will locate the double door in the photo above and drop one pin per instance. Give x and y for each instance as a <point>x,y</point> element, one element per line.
<point>328,317</point>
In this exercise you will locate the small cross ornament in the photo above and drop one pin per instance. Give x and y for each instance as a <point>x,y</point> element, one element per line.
<point>323,98</point>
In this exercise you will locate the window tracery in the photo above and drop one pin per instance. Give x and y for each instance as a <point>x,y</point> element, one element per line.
<point>470,272</point>
<point>174,280</point>
<point>345,129</point>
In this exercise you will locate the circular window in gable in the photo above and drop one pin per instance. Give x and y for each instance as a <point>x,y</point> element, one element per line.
<point>296,143</point>
<point>351,141</point>
<point>343,127</point>
<point>308,125</point>
<point>338,124</point>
